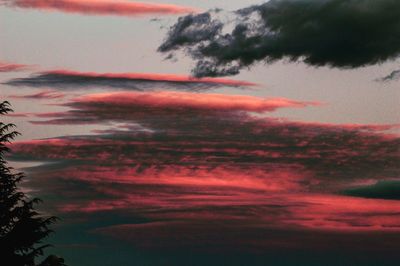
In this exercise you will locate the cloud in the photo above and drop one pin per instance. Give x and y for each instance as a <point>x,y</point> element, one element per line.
<point>11,67</point>
<point>117,106</point>
<point>249,236</point>
<point>99,7</point>
<point>331,33</point>
<point>380,190</point>
<point>186,163</point>
<point>226,128</point>
<point>65,79</point>
<point>46,94</point>
<point>394,75</point>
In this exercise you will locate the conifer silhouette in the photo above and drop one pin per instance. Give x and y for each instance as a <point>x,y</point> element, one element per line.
<point>22,228</point>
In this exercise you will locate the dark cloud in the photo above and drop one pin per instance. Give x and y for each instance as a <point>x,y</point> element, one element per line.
<point>394,75</point>
<point>47,94</point>
<point>335,33</point>
<point>224,235</point>
<point>381,190</point>
<point>212,172</point>
<point>63,79</point>
<point>191,30</point>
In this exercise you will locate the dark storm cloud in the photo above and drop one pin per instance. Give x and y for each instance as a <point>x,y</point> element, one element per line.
<point>335,33</point>
<point>63,79</point>
<point>381,190</point>
<point>192,29</point>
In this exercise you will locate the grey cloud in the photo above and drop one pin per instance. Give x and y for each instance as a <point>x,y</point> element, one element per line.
<point>335,33</point>
<point>380,190</point>
<point>394,75</point>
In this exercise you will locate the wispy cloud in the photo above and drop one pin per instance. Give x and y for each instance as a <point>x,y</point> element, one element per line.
<point>100,7</point>
<point>66,79</point>
<point>11,67</point>
<point>46,94</point>
<point>394,75</point>
<point>138,106</point>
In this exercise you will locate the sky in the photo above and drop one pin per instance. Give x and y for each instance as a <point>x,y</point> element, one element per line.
<point>179,132</point>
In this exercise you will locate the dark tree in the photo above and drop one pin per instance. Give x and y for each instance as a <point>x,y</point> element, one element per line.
<point>22,228</point>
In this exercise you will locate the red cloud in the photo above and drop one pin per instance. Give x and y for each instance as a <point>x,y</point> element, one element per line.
<point>100,7</point>
<point>63,79</point>
<point>10,67</point>
<point>207,168</point>
<point>333,212</point>
<point>138,106</point>
<point>251,184</point>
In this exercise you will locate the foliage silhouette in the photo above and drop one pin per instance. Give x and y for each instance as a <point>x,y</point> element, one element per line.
<point>22,228</point>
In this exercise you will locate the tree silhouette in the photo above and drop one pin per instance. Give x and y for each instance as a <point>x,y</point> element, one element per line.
<point>22,228</point>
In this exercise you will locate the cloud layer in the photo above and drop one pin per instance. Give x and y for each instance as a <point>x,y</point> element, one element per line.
<point>185,163</point>
<point>137,107</point>
<point>99,7</point>
<point>65,79</point>
<point>333,33</point>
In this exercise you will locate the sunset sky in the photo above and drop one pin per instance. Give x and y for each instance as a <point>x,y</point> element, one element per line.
<point>185,132</point>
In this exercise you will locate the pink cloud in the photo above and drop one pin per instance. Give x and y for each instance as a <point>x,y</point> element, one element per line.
<point>185,100</point>
<point>196,165</point>
<point>333,212</point>
<point>136,106</point>
<point>10,67</point>
<point>100,7</point>
<point>67,79</point>
<point>152,77</point>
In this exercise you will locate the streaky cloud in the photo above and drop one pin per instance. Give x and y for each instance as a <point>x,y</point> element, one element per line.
<point>189,165</point>
<point>178,130</point>
<point>187,100</point>
<point>115,106</point>
<point>46,94</point>
<point>232,235</point>
<point>66,79</point>
<point>12,67</point>
<point>100,7</point>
